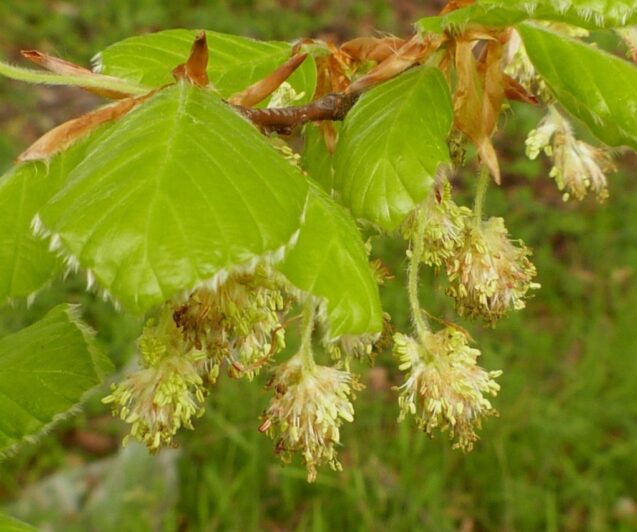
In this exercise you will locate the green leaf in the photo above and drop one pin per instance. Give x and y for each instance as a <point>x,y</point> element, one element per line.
<point>179,190</point>
<point>235,62</point>
<point>474,15</point>
<point>598,88</point>
<point>316,158</point>
<point>26,263</point>
<point>591,14</point>
<point>330,262</point>
<point>45,369</point>
<point>391,145</point>
<point>9,524</point>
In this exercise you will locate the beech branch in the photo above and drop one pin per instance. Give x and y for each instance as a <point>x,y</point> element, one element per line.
<point>333,106</point>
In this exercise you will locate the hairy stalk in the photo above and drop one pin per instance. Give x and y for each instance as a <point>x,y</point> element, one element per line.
<point>307,326</point>
<point>93,82</point>
<point>481,190</point>
<point>412,273</point>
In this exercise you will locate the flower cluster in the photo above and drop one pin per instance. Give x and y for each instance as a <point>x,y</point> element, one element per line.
<point>442,222</point>
<point>349,347</point>
<point>167,392</point>
<point>489,274</point>
<point>577,166</point>
<point>445,388</point>
<point>309,406</point>
<point>284,96</point>
<point>238,323</point>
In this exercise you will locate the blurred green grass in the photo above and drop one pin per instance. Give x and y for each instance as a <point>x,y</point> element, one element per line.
<point>561,456</point>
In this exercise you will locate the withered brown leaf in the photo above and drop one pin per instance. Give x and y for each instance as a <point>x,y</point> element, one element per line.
<point>63,67</point>
<point>260,90</point>
<point>195,68</point>
<point>62,136</point>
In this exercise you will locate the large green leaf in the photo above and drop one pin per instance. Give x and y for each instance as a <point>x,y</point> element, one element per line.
<point>179,190</point>
<point>235,62</point>
<point>330,262</point>
<point>45,369</point>
<point>596,87</point>
<point>26,263</point>
<point>590,14</point>
<point>391,145</point>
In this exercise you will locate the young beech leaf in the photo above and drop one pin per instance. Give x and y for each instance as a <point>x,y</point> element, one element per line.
<point>179,190</point>
<point>598,88</point>
<point>234,62</point>
<point>330,262</point>
<point>26,264</point>
<point>591,14</point>
<point>391,145</point>
<point>45,369</point>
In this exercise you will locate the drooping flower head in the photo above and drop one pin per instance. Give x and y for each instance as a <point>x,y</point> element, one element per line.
<point>167,391</point>
<point>578,167</point>
<point>445,389</point>
<point>239,321</point>
<point>310,404</point>
<point>442,223</point>
<point>489,275</point>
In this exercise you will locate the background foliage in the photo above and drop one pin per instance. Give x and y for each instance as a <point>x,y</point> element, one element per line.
<point>562,456</point>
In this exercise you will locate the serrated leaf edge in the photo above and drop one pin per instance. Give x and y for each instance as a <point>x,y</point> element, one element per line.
<point>72,263</point>
<point>88,333</point>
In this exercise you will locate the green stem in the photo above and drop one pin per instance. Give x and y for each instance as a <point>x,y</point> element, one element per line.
<point>89,81</point>
<point>307,326</point>
<point>412,274</point>
<point>481,190</point>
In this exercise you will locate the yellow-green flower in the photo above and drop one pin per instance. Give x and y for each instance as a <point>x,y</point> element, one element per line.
<point>445,389</point>
<point>310,404</point>
<point>238,322</point>
<point>167,392</point>
<point>442,223</point>
<point>489,275</point>
<point>578,167</point>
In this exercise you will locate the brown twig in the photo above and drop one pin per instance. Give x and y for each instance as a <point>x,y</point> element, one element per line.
<point>333,106</point>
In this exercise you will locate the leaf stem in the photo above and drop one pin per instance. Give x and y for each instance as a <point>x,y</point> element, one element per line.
<point>94,82</point>
<point>415,256</point>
